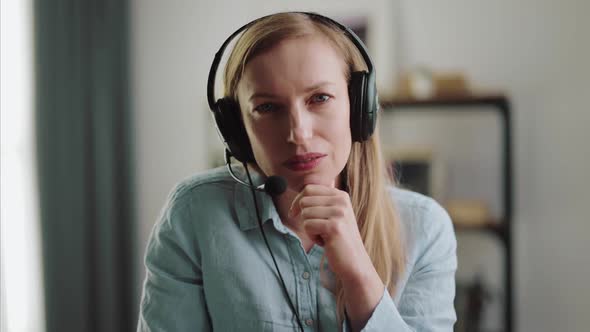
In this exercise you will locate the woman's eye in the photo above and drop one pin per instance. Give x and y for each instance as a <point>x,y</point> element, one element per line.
<point>320,98</point>
<point>263,108</point>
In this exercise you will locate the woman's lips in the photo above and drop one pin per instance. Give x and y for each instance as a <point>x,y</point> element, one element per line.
<point>304,162</point>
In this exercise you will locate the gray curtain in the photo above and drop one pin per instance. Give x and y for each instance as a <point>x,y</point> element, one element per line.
<point>84,161</point>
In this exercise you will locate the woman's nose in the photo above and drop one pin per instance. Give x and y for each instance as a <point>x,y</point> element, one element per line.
<point>300,126</point>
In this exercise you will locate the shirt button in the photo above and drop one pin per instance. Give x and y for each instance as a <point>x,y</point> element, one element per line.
<point>309,322</point>
<point>305,275</point>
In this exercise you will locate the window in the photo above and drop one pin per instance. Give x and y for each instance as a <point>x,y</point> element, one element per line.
<point>21,273</point>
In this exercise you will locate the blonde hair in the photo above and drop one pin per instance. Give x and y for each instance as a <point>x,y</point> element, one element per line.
<point>367,178</point>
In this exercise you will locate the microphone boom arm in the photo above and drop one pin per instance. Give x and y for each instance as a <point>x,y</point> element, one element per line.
<point>233,175</point>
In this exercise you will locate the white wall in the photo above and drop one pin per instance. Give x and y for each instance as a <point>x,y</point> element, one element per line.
<point>537,51</point>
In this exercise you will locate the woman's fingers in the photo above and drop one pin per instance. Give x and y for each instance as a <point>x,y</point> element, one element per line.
<point>322,212</point>
<point>315,226</point>
<point>309,190</point>
<point>316,195</point>
<point>314,229</point>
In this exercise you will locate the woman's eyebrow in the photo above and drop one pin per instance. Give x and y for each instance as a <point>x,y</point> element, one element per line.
<point>318,85</point>
<point>261,95</point>
<point>308,89</point>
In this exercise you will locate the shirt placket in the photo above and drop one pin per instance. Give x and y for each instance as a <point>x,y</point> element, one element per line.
<point>305,281</point>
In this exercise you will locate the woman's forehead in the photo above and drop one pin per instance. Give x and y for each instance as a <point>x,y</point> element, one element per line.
<point>294,63</point>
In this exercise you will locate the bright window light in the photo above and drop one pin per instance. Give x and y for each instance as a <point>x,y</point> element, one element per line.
<point>21,273</point>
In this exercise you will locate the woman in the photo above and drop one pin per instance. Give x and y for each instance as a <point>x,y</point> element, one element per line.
<point>349,251</point>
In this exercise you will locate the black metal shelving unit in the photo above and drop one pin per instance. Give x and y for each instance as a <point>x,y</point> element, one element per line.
<point>502,228</point>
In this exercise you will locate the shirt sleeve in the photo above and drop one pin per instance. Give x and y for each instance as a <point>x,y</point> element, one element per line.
<point>426,303</point>
<point>173,298</point>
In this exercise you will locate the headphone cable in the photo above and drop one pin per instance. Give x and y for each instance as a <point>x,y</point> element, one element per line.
<point>268,246</point>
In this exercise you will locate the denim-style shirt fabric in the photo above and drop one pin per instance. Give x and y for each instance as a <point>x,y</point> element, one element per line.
<point>209,269</point>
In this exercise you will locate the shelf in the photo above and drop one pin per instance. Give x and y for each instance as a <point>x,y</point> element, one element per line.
<point>493,102</point>
<point>498,100</point>
<point>494,227</point>
<point>503,227</point>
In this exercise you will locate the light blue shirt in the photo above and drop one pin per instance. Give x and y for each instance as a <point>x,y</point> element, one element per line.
<point>209,269</point>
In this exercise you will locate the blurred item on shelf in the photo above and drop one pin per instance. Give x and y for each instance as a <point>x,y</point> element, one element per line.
<point>468,212</point>
<point>472,300</point>
<point>417,168</point>
<point>424,83</point>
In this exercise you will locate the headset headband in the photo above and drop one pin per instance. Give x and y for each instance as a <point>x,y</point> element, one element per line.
<point>213,71</point>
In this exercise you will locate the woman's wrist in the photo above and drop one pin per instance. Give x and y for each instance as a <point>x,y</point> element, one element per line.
<point>361,296</point>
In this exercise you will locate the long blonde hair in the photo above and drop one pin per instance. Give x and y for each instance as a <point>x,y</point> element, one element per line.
<point>366,175</point>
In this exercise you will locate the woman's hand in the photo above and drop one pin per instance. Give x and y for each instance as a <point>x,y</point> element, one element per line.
<point>329,220</point>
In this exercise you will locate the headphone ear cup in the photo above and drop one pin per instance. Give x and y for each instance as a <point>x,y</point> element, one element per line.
<point>371,106</point>
<point>231,128</point>
<point>356,93</point>
<point>363,105</point>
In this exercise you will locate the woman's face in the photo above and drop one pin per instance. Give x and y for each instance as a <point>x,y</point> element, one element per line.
<point>295,106</point>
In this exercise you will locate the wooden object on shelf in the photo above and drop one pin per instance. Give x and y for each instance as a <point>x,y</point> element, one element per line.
<point>422,83</point>
<point>468,212</point>
<point>451,84</point>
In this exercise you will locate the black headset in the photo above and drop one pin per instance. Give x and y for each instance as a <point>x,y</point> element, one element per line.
<point>364,103</point>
